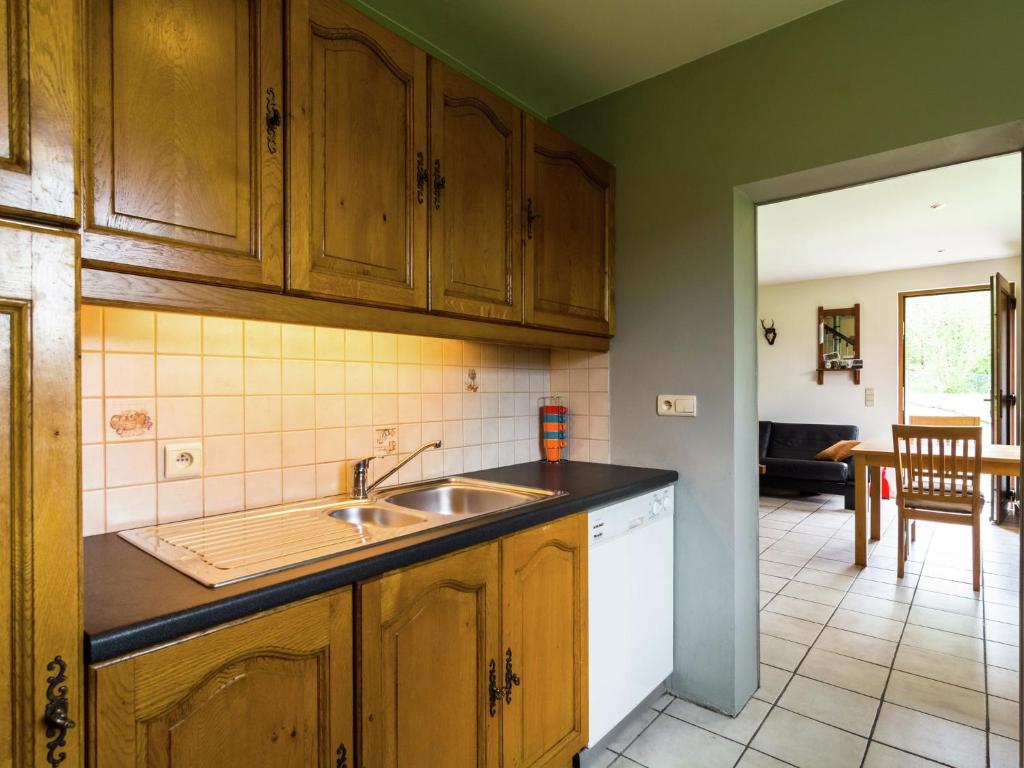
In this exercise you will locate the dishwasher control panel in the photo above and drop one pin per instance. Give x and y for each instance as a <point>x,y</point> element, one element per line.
<point>624,516</point>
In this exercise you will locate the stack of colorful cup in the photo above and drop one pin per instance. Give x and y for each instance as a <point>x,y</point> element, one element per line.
<point>554,426</point>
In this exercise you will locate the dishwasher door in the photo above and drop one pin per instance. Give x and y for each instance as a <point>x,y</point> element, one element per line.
<point>631,610</point>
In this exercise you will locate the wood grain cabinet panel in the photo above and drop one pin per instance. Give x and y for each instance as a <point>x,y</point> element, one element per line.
<point>429,633</point>
<point>38,109</point>
<point>275,690</point>
<point>184,138</point>
<point>357,114</point>
<point>544,614</point>
<point>569,235</point>
<point>476,148</point>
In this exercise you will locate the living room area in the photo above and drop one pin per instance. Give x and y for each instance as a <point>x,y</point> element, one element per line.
<point>887,394</point>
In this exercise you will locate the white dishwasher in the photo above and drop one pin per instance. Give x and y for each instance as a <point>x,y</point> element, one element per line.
<point>631,553</point>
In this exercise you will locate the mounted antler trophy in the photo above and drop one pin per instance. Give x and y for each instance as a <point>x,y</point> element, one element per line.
<point>769,332</point>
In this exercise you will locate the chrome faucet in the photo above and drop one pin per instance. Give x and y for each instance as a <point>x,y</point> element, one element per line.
<point>359,488</point>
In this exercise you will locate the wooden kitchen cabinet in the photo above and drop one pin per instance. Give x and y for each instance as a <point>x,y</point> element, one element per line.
<point>358,178</point>
<point>569,213</point>
<point>185,146</point>
<point>429,635</point>
<point>544,639</point>
<point>485,644</point>
<point>476,148</point>
<point>39,109</point>
<point>274,690</point>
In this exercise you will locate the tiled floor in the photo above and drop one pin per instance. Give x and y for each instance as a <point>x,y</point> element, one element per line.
<point>859,668</point>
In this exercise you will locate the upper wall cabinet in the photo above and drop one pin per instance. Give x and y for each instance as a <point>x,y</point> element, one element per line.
<point>185,146</point>
<point>357,158</point>
<point>476,160</point>
<point>569,214</point>
<point>38,107</point>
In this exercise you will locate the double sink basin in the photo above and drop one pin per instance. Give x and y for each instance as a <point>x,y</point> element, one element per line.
<point>227,548</point>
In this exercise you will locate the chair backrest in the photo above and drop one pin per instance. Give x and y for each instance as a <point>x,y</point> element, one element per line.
<point>938,464</point>
<point>944,421</point>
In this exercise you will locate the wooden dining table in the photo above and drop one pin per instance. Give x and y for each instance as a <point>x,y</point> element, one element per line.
<point>868,459</point>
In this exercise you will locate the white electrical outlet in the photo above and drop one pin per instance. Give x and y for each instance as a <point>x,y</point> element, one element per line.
<point>677,405</point>
<point>869,397</point>
<point>183,460</point>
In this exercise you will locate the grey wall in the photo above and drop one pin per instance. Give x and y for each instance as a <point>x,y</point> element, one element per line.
<point>858,78</point>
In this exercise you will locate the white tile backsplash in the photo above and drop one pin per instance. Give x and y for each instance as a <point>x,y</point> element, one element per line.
<point>283,410</point>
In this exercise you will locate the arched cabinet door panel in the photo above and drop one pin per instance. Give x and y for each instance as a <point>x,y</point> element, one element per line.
<point>569,214</point>
<point>274,690</point>
<point>476,147</point>
<point>357,148</point>
<point>185,139</point>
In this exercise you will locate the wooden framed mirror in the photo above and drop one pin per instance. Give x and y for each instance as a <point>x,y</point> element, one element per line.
<point>839,342</point>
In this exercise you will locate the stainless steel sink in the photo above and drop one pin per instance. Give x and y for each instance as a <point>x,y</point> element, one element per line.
<point>227,548</point>
<point>462,496</point>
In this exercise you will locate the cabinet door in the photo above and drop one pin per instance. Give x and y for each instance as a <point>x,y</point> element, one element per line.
<point>185,168</point>
<point>569,216</point>
<point>38,109</point>
<point>357,111</point>
<point>429,636</point>
<point>273,691</point>
<point>475,245</point>
<point>40,518</point>
<point>544,616</point>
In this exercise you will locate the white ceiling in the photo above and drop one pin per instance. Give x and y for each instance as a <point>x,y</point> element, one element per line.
<point>553,55</point>
<point>891,224</point>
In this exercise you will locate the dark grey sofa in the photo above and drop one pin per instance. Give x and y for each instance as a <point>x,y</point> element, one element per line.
<point>787,452</point>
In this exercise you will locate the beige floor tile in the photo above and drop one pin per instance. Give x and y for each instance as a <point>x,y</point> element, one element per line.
<point>936,698</point>
<point>771,583</point>
<point>947,572</point>
<point>887,609</point>
<point>952,603</point>
<point>802,742</point>
<point>1004,683</point>
<point>1003,717</point>
<point>813,592</point>
<point>763,598</point>
<point>602,760</point>
<point>834,566</point>
<point>625,762</point>
<point>1007,634</point>
<point>931,737</point>
<point>626,732</point>
<point>785,557</point>
<point>947,587</point>
<point>829,704</point>
<point>789,628</point>
<point>754,759</point>
<point>824,578</point>
<point>1003,753</point>
<point>882,590</point>
<point>1009,614</point>
<point>800,609</point>
<point>999,655</point>
<point>663,701</point>
<point>861,647</point>
<point>946,621</point>
<point>671,743</point>
<point>845,672</point>
<point>941,666</point>
<point>999,596</point>
<point>865,624</point>
<point>888,576</point>
<point>773,680</point>
<point>780,653</point>
<point>882,756</point>
<point>782,570</point>
<point>740,728</point>
<point>943,642</point>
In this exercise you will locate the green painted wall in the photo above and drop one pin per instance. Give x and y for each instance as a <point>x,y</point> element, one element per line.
<point>858,78</point>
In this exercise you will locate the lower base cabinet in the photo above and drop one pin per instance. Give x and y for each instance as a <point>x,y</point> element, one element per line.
<point>478,659</point>
<point>274,690</point>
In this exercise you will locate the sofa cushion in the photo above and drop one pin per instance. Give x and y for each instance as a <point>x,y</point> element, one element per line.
<point>840,451</point>
<point>803,441</point>
<point>806,469</point>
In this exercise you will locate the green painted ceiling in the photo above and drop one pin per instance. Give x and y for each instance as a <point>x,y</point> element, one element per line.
<point>552,55</point>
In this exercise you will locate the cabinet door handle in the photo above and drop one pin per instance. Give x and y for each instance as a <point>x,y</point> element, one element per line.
<point>342,756</point>
<point>273,121</point>
<point>494,693</point>
<point>56,714</point>
<point>439,184</point>
<point>511,678</point>
<point>530,216</point>
<point>422,174</point>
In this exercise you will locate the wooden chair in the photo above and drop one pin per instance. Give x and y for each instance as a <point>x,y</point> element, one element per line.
<point>938,471</point>
<point>945,421</point>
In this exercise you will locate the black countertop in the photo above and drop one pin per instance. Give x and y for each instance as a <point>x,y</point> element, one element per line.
<point>133,600</point>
